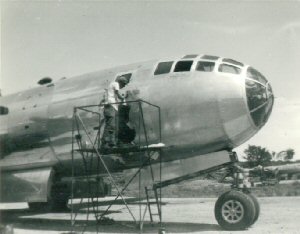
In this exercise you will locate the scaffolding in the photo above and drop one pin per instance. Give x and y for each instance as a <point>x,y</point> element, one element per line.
<point>89,156</point>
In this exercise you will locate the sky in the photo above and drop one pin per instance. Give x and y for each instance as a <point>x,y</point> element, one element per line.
<point>68,38</point>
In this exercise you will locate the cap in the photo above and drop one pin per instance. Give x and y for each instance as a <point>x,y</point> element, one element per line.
<point>122,79</point>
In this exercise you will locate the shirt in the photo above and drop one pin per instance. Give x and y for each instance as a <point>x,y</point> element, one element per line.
<point>111,94</point>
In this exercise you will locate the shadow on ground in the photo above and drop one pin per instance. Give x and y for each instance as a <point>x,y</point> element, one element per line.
<point>64,226</point>
<point>61,222</point>
<point>131,201</point>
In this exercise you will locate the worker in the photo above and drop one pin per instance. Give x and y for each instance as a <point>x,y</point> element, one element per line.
<point>111,111</point>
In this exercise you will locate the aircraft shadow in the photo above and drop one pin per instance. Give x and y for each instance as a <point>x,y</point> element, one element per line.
<point>131,201</point>
<point>30,220</point>
<point>64,226</point>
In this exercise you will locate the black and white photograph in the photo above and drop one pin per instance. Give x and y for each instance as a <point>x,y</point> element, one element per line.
<point>150,116</point>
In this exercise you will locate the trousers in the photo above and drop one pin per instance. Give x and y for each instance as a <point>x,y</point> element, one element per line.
<point>111,126</point>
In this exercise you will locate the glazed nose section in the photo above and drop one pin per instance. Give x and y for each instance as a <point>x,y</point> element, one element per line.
<point>260,97</point>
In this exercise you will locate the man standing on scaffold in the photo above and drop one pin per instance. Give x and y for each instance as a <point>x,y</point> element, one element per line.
<point>111,111</point>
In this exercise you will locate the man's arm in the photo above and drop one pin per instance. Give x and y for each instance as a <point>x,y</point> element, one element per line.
<point>119,95</point>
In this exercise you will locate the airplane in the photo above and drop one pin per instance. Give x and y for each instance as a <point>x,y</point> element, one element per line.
<point>209,105</point>
<point>283,172</point>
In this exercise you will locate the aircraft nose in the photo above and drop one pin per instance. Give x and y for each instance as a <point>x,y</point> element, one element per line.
<point>260,97</point>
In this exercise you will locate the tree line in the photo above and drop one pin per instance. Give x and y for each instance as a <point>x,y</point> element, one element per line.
<point>257,155</point>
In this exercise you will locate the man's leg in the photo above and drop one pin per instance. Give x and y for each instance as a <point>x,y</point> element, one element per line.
<point>109,135</point>
<point>126,134</point>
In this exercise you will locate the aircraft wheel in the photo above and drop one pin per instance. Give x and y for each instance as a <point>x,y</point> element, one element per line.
<point>257,207</point>
<point>235,210</point>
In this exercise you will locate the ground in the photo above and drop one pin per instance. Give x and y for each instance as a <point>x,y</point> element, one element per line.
<point>180,215</point>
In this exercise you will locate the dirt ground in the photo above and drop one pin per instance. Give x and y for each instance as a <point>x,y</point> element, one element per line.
<point>180,215</point>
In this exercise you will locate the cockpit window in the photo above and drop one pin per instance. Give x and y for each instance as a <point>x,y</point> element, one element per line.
<point>183,66</point>
<point>3,110</point>
<point>229,69</point>
<point>260,101</point>
<point>256,94</point>
<point>163,68</point>
<point>189,56</point>
<point>227,60</point>
<point>260,97</point>
<point>205,66</point>
<point>210,57</point>
<point>256,75</point>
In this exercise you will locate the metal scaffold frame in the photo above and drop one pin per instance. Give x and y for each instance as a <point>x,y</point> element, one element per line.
<point>95,155</point>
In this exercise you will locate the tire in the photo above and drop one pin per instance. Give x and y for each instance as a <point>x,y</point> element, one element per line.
<point>257,207</point>
<point>235,210</point>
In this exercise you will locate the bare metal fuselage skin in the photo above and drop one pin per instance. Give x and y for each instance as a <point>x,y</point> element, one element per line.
<point>201,112</point>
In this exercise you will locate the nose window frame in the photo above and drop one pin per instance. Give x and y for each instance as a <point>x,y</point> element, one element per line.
<point>234,69</point>
<point>205,66</point>
<point>256,75</point>
<point>259,101</point>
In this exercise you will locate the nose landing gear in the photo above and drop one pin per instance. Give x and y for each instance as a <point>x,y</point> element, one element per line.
<point>237,209</point>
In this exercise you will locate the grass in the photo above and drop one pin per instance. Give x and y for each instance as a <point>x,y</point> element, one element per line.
<point>210,188</point>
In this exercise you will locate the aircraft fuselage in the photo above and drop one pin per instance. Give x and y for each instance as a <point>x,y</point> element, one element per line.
<point>202,110</point>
